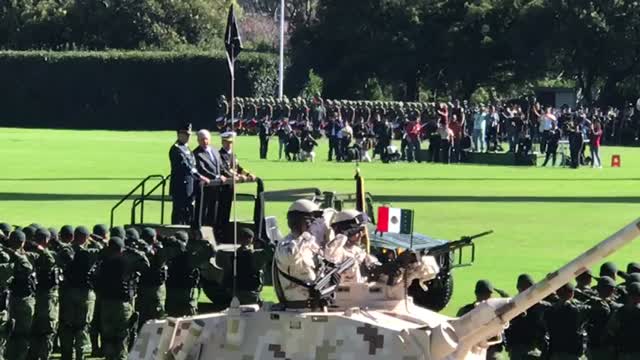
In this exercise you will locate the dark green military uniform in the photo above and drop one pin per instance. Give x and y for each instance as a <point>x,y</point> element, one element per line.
<point>98,240</point>
<point>526,336</point>
<point>566,321</point>
<point>250,270</point>
<point>21,299</point>
<point>184,277</point>
<point>6,273</point>
<point>152,291</point>
<point>624,326</point>
<point>182,287</point>
<point>48,274</point>
<point>77,299</point>
<point>602,307</point>
<point>115,285</point>
<point>483,291</point>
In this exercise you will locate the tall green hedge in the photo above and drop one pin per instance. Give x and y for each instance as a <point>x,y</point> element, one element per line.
<point>123,90</point>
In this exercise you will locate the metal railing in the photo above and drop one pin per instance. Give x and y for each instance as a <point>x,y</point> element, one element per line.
<point>143,196</point>
<point>149,197</point>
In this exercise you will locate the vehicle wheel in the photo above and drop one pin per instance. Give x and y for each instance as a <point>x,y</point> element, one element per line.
<point>437,296</point>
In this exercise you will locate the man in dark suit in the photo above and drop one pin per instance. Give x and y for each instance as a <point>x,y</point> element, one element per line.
<point>208,164</point>
<point>226,191</point>
<point>264,133</point>
<point>183,177</point>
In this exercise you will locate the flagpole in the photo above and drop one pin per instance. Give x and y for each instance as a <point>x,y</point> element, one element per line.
<point>281,74</point>
<point>233,183</point>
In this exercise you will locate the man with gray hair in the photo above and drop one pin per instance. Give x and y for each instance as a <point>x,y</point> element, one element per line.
<point>208,164</point>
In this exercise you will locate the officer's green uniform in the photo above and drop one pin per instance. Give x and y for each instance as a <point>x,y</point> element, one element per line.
<point>21,304</point>
<point>6,273</point>
<point>184,277</point>
<point>116,287</point>
<point>250,276</point>
<point>566,321</point>
<point>624,327</point>
<point>525,336</point>
<point>152,291</point>
<point>45,320</point>
<point>77,303</point>
<point>94,327</point>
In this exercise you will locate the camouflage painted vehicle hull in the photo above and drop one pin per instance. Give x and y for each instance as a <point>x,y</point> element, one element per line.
<point>256,334</point>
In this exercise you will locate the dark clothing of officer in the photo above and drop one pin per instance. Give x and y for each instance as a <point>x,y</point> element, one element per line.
<point>226,191</point>
<point>600,346</point>
<point>183,178</point>
<point>566,322</point>
<point>182,286</point>
<point>264,132</point>
<point>625,326</point>
<point>250,270</point>
<point>209,165</point>
<point>526,334</point>
<point>116,286</point>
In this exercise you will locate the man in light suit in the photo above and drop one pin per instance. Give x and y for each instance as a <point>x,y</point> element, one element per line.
<point>208,164</point>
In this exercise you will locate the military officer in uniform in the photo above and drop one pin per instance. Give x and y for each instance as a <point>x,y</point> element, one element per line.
<point>183,176</point>
<point>115,276</point>
<point>602,307</point>
<point>228,169</point>
<point>251,261</point>
<point>48,266</point>
<point>21,299</point>
<point>566,322</point>
<point>625,325</point>
<point>152,291</point>
<point>296,256</point>
<point>77,298</point>
<point>526,334</point>
<point>349,227</point>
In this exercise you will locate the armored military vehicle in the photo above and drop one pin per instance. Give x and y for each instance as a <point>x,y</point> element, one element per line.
<point>366,321</point>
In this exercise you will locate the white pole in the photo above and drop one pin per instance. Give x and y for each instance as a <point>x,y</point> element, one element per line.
<point>281,75</point>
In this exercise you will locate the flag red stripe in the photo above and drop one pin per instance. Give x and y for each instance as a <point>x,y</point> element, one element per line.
<point>383,219</point>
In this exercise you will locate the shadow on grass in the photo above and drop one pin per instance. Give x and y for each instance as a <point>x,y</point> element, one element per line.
<point>73,179</point>
<point>455,179</point>
<point>289,197</point>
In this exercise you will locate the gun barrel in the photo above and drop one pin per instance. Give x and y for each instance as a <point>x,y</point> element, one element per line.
<point>565,274</point>
<point>487,321</point>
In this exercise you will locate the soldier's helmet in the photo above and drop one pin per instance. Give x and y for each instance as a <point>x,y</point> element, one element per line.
<point>483,287</point>
<point>633,268</point>
<point>303,206</point>
<point>349,222</point>
<point>302,211</point>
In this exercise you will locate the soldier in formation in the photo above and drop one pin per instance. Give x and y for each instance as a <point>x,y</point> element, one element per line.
<point>134,279</point>
<point>579,322</point>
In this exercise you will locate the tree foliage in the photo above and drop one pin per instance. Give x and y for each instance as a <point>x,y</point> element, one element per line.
<point>110,24</point>
<point>457,46</point>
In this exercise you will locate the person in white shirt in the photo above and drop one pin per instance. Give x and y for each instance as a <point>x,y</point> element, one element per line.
<point>479,129</point>
<point>546,124</point>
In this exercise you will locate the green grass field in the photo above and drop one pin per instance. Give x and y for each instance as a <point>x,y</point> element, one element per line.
<point>542,217</point>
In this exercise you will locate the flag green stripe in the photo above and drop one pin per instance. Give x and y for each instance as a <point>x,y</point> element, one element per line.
<point>406,221</point>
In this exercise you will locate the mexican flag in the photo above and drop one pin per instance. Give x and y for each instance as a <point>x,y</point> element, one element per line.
<point>394,220</point>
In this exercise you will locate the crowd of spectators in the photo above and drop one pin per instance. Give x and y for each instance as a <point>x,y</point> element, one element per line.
<point>362,130</point>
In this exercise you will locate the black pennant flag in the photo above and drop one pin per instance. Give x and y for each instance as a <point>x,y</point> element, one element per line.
<point>232,40</point>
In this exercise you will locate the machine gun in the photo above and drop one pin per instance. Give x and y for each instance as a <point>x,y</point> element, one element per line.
<point>330,280</point>
<point>456,245</point>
